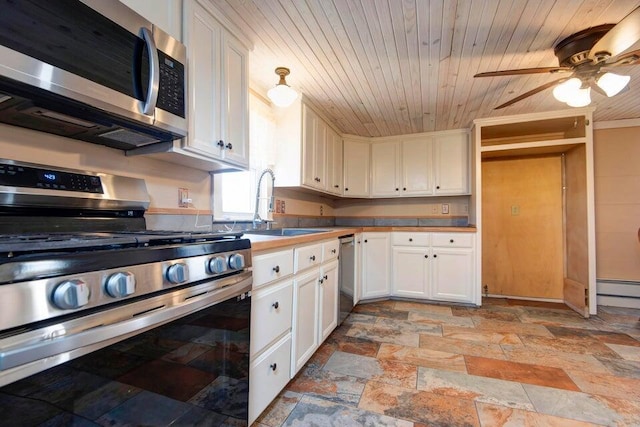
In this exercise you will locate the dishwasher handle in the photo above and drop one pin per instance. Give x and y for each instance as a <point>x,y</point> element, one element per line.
<point>346,239</point>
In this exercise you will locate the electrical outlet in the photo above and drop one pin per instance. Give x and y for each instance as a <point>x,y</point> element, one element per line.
<point>445,208</point>
<point>321,210</point>
<point>183,198</point>
<point>282,206</point>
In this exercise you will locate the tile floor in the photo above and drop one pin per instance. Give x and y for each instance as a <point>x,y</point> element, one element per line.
<point>508,363</point>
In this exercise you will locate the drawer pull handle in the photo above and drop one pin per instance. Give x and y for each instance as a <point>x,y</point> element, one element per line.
<point>273,366</point>
<point>326,277</point>
<point>276,269</point>
<point>411,240</point>
<point>276,305</point>
<point>333,251</point>
<point>451,241</point>
<point>312,257</point>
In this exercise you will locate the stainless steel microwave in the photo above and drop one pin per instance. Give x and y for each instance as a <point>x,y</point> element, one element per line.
<point>92,70</point>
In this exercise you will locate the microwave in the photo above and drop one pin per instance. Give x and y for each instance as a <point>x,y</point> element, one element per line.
<point>92,70</point>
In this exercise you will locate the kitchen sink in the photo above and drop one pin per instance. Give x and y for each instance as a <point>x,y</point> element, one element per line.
<point>286,231</point>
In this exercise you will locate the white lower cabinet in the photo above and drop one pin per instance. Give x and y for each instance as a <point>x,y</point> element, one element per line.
<point>436,266</point>
<point>305,322</point>
<point>328,299</point>
<point>268,375</point>
<point>376,261</point>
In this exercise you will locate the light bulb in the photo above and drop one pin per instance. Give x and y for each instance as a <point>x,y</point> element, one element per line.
<point>612,83</point>
<point>565,91</point>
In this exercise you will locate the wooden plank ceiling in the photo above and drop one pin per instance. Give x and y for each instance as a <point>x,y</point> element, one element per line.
<point>389,67</point>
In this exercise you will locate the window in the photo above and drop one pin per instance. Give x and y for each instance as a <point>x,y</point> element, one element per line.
<point>234,192</point>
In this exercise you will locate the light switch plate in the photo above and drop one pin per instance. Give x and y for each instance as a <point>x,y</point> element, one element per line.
<point>445,208</point>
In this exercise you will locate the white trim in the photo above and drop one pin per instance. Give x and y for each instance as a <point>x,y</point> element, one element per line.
<point>618,301</point>
<point>613,124</point>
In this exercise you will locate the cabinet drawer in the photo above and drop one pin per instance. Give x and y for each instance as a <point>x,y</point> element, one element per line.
<point>271,309</point>
<point>405,238</point>
<point>272,266</point>
<point>330,250</point>
<point>307,256</point>
<point>268,376</point>
<point>452,240</point>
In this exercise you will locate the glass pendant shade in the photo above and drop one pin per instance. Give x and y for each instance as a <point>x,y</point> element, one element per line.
<point>612,83</point>
<point>564,91</point>
<point>282,95</point>
<point>580,98</point>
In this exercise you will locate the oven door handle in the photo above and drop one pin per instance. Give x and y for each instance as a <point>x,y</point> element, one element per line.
<point>140,317</point>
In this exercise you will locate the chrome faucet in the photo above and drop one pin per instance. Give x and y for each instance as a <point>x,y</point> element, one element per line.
<point>256,217</point>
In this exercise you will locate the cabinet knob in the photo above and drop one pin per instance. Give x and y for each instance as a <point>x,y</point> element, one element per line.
<point>404,188</point>
<point>333,251</point>
<point>229,146</point>
<point>435,256</point>
<point>437,187</point>
<point>220,143</point>
<point>365,240</point>
<point>346,189</point>
<point>411,240</point>
<point>451,241</point>
<point>326,277</point>
<point>276,269</point>
<point>397,189</point>
<point>312,257</point>
<point>273,366</point>
<point>321,280</point>
<point>426,256</point>
<point>336,186</point>
<point>276,305</point>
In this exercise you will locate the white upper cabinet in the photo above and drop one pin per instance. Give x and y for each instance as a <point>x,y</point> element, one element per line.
<point>451,162</point>
<point>356,167</point>
<point>334,162</point>
<point>166,14</point>
<point>420,165</point>
<point>218,92</point>
<point>308,150</point>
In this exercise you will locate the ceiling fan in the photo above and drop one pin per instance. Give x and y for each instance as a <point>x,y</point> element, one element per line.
<point>586,57</point>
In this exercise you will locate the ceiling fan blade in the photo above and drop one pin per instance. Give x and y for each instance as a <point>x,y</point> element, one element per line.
<point>629,58</point>
<point>532,92</point>
<point>523,71</point>
<point>598,89</point>
<point>618,39</point>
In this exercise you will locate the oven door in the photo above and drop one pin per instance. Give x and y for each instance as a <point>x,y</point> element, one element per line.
<point>182,358</point>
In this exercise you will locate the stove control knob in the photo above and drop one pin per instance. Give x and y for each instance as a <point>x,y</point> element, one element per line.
<point>71,294</point>
<point>217,265</point>
<point>120,284</point>
<point>177,273</point>
<point>236,261</point>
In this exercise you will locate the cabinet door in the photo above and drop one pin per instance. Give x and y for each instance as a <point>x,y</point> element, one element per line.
<point>166,14</point>
<point>235,101</point>
<point>385,167</point>
<point>417,167</point>
<point>410,271</point>
<point>328,299</point>
<point>271,310</point>
<point>451,164</point>
<point>305,323</point>
<point>320,155</point>
<point>334,162</point>
<point>452,276</point>
<point>356,168</point>
<point>376,262</point>
<point>309,135</point>
<point>203,40</point>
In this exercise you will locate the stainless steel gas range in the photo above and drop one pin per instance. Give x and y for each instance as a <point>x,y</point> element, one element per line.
<point>86,292</point>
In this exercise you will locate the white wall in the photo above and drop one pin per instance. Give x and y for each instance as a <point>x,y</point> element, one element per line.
<point>163,179</point>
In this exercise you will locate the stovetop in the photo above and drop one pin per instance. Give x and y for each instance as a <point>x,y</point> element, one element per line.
<point>12,245</point>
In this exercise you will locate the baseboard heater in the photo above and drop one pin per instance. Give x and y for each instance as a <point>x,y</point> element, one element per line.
<point>618,293</point>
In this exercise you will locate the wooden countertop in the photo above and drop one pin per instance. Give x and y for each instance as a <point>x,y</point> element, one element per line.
<point>263,243</point>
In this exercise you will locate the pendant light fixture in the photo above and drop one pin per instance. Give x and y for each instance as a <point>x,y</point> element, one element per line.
<point>282,95</point>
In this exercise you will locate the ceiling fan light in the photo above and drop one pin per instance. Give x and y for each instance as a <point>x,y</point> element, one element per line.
<point>580,98</point>
<point>612,83</point>
<point>566,90</point>
<point>282,95</point>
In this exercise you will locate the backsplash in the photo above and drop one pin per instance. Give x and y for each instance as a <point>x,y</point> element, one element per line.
<point>401,222</point>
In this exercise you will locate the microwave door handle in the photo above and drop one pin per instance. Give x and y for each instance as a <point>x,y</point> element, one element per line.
<point>148,106</point>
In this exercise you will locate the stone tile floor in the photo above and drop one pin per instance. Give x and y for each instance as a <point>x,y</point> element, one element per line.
<point>508,363</point>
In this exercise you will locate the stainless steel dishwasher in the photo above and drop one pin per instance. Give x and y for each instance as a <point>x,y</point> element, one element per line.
<point>347,279</point>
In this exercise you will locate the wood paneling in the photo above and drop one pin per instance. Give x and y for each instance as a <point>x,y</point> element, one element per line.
<point>390,67</point>
<point>522,234</point>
